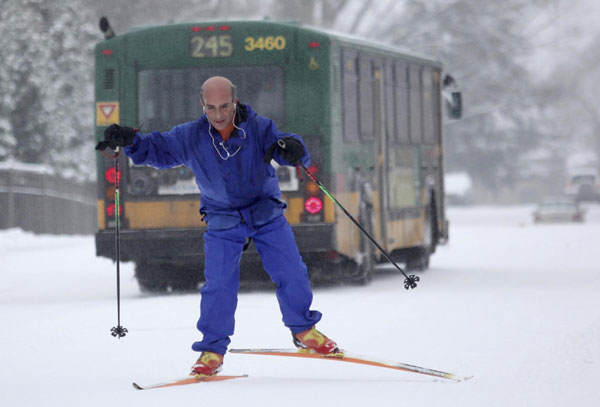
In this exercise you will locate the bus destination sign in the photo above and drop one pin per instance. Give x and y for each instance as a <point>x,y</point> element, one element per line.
<point>210,45</point>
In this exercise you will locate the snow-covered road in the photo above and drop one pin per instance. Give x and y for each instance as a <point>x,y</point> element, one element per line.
<point>516,305</point>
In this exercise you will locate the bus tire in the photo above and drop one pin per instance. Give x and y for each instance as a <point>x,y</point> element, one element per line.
<point>417,258</point>
<point>148,277</point>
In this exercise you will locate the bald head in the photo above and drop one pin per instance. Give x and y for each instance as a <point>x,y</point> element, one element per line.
<point>218,101</point>
<point>218,85</point>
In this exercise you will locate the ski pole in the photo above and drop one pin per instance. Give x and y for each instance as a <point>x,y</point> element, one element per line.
<point>118,331</point>
<point>410,281</point>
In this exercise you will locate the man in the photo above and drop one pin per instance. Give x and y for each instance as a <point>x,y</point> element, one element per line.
<point>229,149</point>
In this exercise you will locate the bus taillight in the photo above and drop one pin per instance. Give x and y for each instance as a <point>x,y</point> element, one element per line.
<point>313,169</point>
<point>312,188</point>
<point>110,193</point>
<point>313,205</point>
<point>313,198</point>
<point>110,210</point>
<point>110,175</point>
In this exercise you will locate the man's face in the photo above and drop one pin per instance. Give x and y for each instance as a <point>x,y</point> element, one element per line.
<point>218,105</point>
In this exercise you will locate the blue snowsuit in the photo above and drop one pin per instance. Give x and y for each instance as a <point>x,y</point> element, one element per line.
<point>240,198</point>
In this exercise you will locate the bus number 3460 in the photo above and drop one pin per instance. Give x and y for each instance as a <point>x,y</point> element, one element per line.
<point>268,43</point>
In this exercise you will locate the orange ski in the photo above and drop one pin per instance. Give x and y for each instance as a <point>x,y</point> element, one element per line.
<point>187,380</point>
<point>348,357</point>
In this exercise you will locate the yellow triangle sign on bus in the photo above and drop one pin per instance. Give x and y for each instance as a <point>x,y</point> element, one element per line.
<point>107,113</point>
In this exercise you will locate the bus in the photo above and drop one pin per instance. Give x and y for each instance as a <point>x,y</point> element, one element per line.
<point>370,115</point>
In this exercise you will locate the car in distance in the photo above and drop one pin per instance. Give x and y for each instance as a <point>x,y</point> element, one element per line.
<point>558,210</point>
<point>584,186</point>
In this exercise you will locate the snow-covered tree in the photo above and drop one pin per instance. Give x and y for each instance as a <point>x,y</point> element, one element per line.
<point>7,140</point>
<point>571,101</point>
<point>46,82</point>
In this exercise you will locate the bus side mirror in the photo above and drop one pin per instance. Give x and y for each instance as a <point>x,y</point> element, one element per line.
<point>106,28</point>
<point>453,98</point>
<point>454,105</point>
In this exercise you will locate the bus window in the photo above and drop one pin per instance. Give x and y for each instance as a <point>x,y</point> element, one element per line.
<point>366,98</point>
<point>350,95</point>
<point>388,88</point>
<point>403,178</point>
<point>416,115</point>
<point>428,108</point>
<point>168,97</point>
<point>437,108</point>
<point>401,102</point>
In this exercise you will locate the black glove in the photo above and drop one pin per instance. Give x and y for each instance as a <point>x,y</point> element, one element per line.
<point>290,150</point>
<point>116,136</point>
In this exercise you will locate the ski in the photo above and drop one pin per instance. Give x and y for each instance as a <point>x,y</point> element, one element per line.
<point>345,356</point>
<point>187,380</point>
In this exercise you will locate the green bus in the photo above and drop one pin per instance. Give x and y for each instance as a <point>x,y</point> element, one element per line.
<point>370,115</point>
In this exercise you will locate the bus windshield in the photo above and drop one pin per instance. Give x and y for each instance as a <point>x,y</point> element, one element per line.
<point>168,97</point>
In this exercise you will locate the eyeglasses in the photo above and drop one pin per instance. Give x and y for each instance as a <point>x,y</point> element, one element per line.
<point>223,109</point>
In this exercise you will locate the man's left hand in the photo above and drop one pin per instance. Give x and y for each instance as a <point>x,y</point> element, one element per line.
<point>293,150</point>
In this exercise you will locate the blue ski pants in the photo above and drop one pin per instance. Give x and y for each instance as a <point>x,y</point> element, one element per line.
<point>281,259</point>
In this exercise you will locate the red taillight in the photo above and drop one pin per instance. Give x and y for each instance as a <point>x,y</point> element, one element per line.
<point>224,28</point>
<point>196,29</point>
<point>107,52</point>
<point>314,44</point>
<point>110,210</point>
<point>110,175</point>
<point>313,205</point>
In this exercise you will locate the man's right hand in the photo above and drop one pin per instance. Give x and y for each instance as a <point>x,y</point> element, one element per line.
<point>116,136</point>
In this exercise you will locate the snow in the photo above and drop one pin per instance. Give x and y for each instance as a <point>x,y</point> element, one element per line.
<point>11,164</point>
<point>512,303</point>
<point>560,32</point>
<point>458,183</point>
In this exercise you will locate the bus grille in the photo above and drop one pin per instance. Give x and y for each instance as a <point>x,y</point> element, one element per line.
<point>109,78</point>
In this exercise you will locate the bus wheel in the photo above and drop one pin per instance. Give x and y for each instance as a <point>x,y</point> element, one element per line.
<point>417,258</point>
<point>148,277</point>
